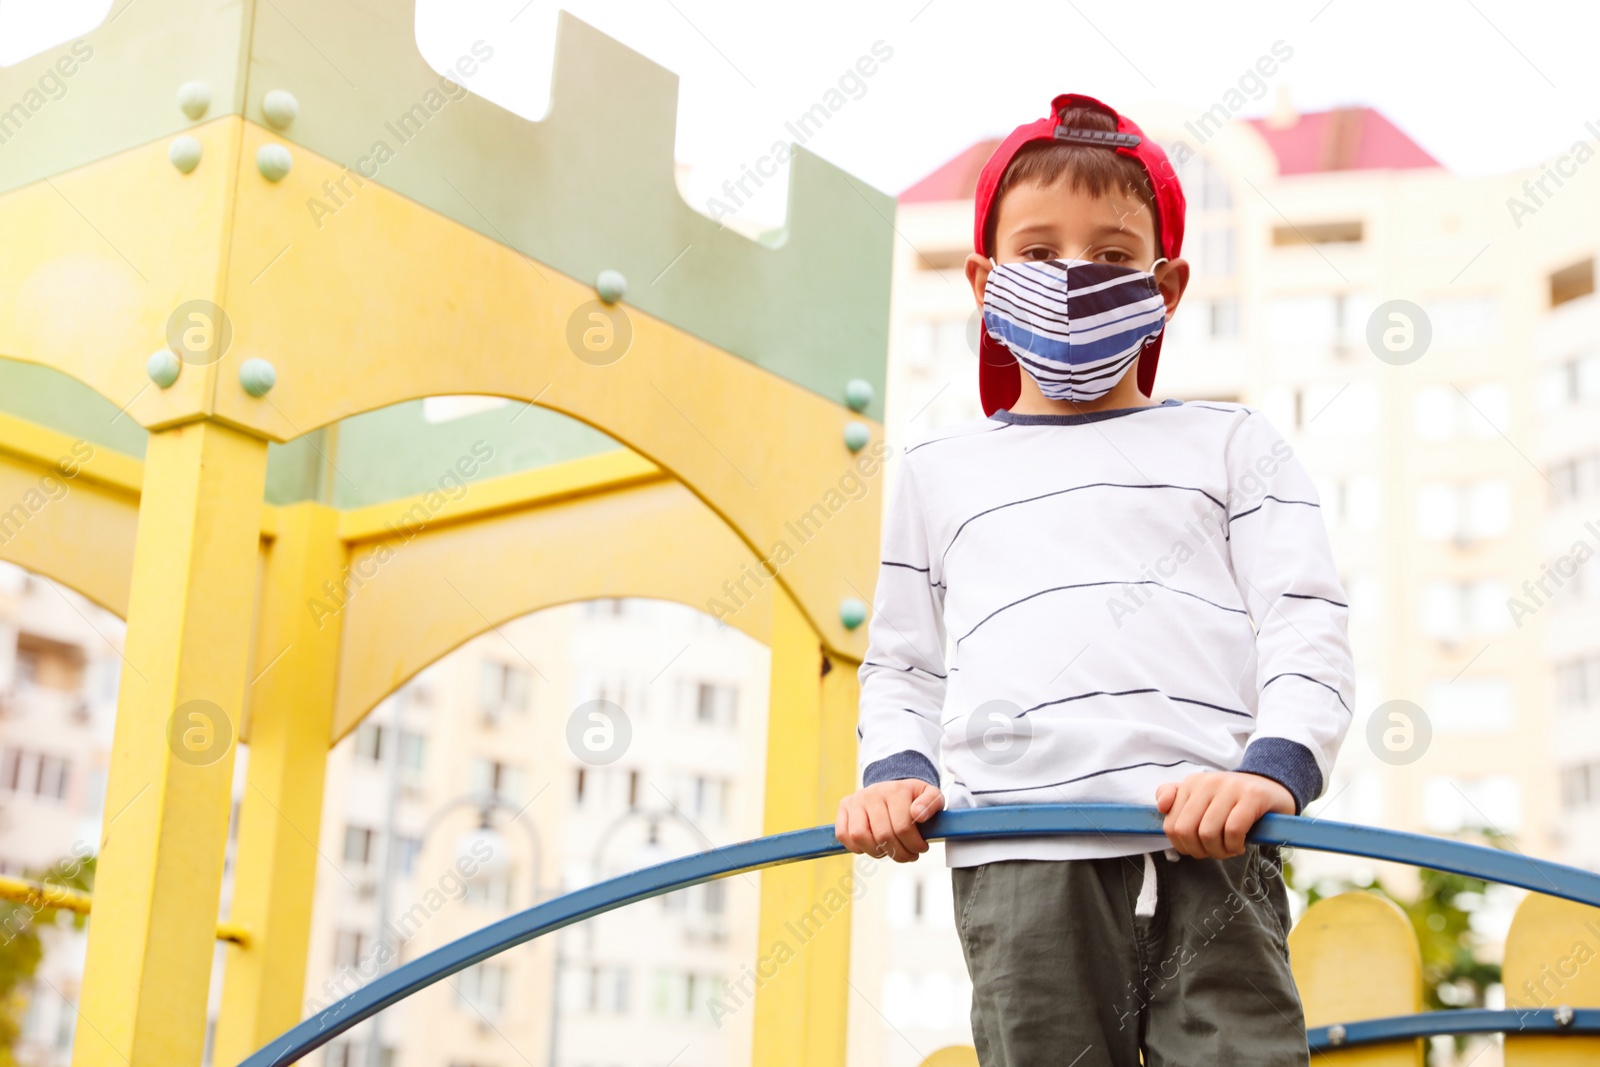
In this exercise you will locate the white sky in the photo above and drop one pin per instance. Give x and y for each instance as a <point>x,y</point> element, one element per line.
<point>1485,85</point>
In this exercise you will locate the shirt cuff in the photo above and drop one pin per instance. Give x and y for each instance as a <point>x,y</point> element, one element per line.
<point>1288,763</point>
<point>907,764</point>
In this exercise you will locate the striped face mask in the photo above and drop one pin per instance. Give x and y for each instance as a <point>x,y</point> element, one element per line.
<point>1075,325</point>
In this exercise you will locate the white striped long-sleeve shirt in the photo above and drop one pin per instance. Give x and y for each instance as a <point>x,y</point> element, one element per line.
<point>1078,608</point>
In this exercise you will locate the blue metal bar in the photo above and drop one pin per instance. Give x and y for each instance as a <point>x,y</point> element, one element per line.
<point>1509,868</point>
<point>1465,1021</point>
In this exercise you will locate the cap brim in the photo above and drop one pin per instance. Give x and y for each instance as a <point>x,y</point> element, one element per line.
<point>1147,364</point>
<point>999,376</point>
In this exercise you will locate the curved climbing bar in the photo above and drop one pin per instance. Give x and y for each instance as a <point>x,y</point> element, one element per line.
<point>1508,868</point>
<point>1557,1021</point>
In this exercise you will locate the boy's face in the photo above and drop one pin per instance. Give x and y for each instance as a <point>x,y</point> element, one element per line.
<point>1037,222</point>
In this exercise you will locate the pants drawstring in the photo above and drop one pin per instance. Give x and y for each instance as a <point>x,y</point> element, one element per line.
<point>1145,906</point>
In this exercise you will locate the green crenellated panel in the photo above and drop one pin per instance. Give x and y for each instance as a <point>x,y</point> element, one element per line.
<point>587,189</point>
<point>116,87</point>
<point>590,187</point>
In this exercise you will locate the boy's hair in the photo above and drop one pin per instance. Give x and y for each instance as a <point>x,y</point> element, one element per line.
<point>1085,169</point>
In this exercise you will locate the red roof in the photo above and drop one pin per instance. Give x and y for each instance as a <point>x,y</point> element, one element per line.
<point>1348,138</point>
<point>1351,138</point>
<point>956,180</point>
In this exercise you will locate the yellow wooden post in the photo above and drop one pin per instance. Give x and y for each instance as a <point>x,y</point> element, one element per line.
<point>166,817</point>
<point>275,867</point>
<point>803,944</point>
<point>1355,957</point>
<point>1552,960</point>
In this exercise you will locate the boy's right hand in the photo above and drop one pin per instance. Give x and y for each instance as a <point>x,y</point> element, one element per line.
<point>881,820</point>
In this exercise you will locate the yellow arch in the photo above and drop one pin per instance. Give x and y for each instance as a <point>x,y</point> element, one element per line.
<point>608,525</point>
<point>70,510</point>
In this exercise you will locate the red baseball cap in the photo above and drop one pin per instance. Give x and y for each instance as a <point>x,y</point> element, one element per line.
<point>999,377</point>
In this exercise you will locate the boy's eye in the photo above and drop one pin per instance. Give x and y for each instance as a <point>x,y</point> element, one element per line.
<point>1038,254</point>
<point>1113,255</point>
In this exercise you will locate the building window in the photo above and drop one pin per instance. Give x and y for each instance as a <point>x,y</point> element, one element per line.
<point>1580,785</point>
<point>1224,318</point>
<point>1328,319</point>
<point>708,797</point>
<point>490,892</point>
<point>1575,478</point>
<point>52,783</point>
<point>360,845</point>
<point>1203,181</point>
<point>605,607</point>
<point>407,849</point>
<point>1577,684</point>
<point>681,994</point>
<point>503,688</point>
<point>369,742</point>
<point>1452,610</point>
<point>1464,513</point>
<point>1444,413</point>
<point>413,753</point>
<point>942,258</point>
<point>1472,705</point>
<point>349,948</point>
<point>27,668</point>
<point>1212,252</point>
<point>1338,410</point>
<point>1467,320</point>
<point>419,693</point>
<point>601,989</point>
<point>1570,381</point>
<point>715,898</point>
<point>1344,231</point>
<point>715,704</point>
<point>1492,803</point>
<point>48,664</point>
<point>34,773</point>
<point>491,778</point>
<point>1570,283</point>
<point>1355,503</point>
<point>482,989</point>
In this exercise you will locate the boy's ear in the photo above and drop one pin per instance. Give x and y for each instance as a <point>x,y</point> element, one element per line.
<point>1172,278</point>
<point>978,274</point>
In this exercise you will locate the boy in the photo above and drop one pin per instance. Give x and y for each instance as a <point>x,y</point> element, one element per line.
<point>1093,597</point>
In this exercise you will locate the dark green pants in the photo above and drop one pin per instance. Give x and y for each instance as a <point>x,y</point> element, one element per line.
<point>1065,974</point>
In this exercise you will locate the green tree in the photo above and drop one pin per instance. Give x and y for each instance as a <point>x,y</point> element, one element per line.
<point>21,948</point>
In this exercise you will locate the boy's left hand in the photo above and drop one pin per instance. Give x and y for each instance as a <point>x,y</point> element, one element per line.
<point>1208,814</point>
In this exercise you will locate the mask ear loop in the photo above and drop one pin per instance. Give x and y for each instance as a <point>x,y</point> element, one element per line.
<point>1148,341</point>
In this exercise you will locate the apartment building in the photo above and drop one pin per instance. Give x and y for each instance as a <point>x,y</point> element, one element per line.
<point>554,751</point>
<point>60,658</point>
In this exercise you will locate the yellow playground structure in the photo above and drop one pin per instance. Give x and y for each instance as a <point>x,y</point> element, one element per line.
<point>230,270</point>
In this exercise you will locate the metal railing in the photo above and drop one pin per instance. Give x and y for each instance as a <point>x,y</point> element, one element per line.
<point>41,896</point>
<point>1507,868</point>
